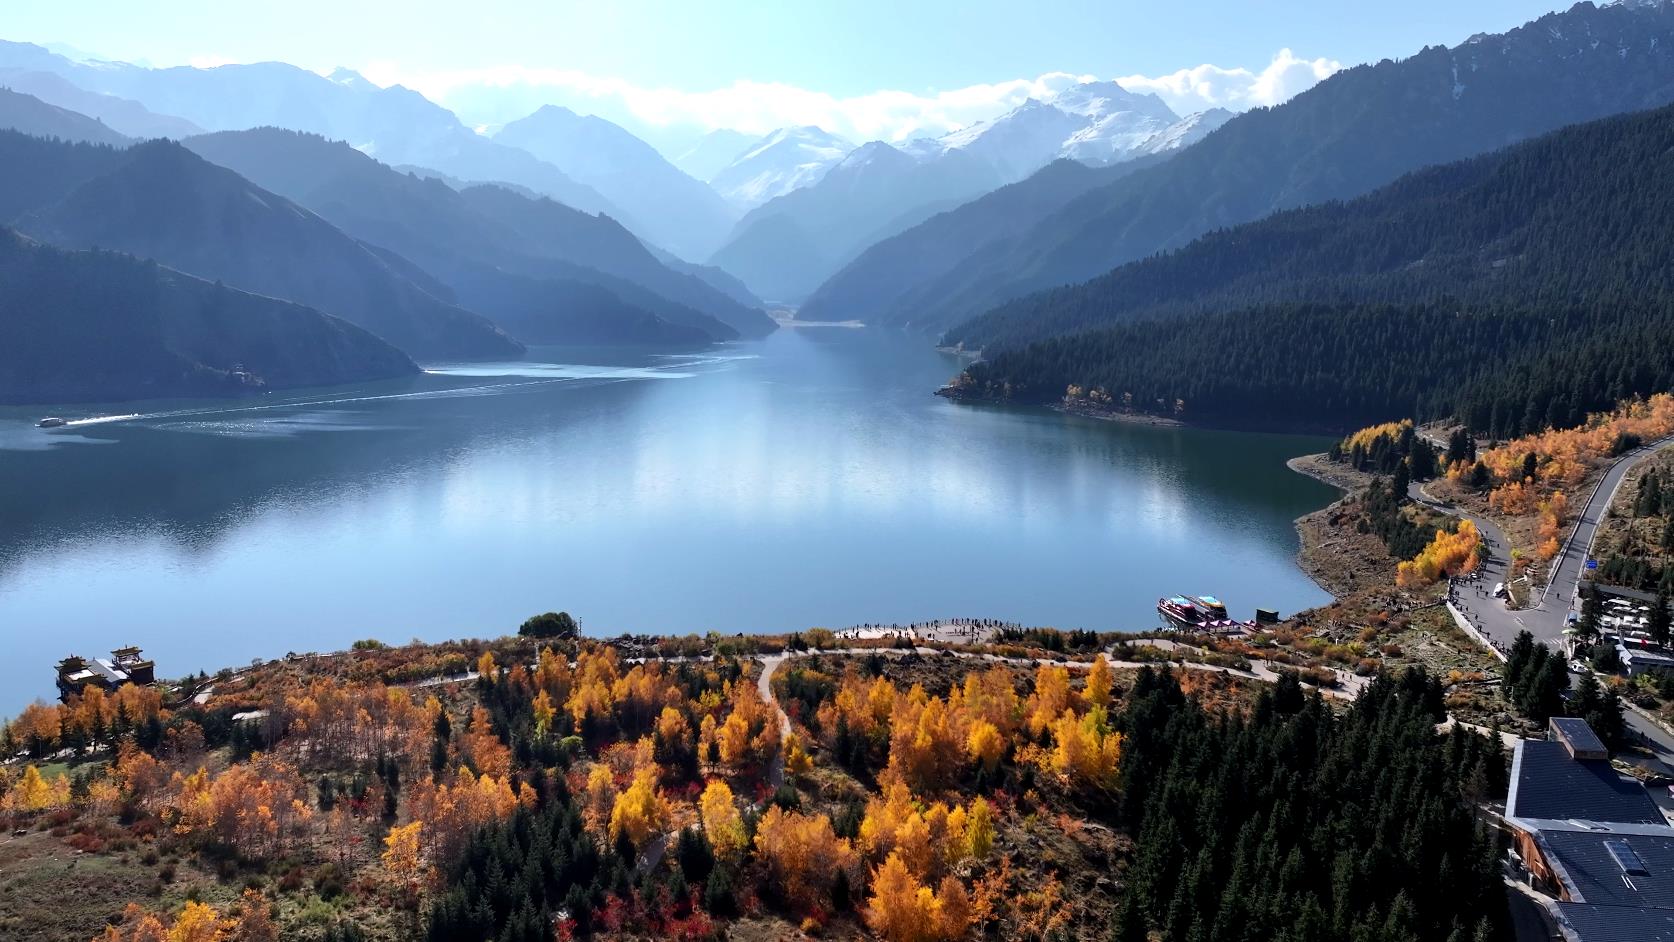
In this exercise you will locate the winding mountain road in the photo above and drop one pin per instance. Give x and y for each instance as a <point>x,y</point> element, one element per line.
<point>1546,618</point>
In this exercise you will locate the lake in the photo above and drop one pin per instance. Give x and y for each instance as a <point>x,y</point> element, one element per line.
<point>807,479</point>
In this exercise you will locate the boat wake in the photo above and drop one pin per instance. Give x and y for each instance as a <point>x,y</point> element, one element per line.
<point>521,377</point>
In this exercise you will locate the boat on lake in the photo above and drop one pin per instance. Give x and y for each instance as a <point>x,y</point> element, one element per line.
<point>1180,612</point>
<point>1203,613</point>
<point>51,421</point>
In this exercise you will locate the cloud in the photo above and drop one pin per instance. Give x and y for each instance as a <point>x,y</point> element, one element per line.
<point>1210,86</point>
<point>501,94</point>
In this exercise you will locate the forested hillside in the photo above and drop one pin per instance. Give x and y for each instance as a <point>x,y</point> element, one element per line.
<point>30,115</point>
<point>89,326</point>
<point>159,200</point>
<point>1515,290</point>
<point>1358,130</point>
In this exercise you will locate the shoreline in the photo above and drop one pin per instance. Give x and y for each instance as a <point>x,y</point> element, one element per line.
<point>1322,552</point>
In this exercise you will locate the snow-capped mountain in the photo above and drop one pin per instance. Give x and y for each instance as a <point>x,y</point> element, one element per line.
<point>788,159</point>
<point>808,217</point>
<point>1109,141</point>
<point>1015,144</point>
<point>1094,122</point>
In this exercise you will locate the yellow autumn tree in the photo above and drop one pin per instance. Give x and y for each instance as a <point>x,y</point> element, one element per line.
<point>797,760</point>
<point>35,792</point>
<point>722,823</point>
<point>1100,681</point>
<point>925,747</point>
<point>984,745</point>
<point>544,712</point>
<point>1050,699</point>
<point>401,850</point>
<point>1553,511</point>
<point>641,811</point>
<point>598,800</point>
<point>1085,752</point>
<point>198,922</point>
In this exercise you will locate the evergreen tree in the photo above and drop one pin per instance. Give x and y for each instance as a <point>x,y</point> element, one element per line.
<point>1659,622</point>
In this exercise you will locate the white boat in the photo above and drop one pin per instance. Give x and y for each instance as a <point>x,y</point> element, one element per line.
<point>51,421</point>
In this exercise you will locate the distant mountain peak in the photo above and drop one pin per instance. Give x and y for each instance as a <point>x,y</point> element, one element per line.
<point>787,159</point>
<point>556,111</point>
<point>872,152</point>
<point>1097,99</point>
<point>349,78</point>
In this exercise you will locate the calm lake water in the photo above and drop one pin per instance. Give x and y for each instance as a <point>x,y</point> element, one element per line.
<point>808,479</point>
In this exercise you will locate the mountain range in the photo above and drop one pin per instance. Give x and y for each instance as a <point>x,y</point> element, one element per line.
<point>1356,130</point>
<point>160,201</point>
<point>496,247</point>
<point>396,124</point>
<point>1512,291</point>
<point>123,115</point>
<point>787,246</point>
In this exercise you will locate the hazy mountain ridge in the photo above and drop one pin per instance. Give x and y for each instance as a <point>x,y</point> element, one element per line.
<point>787,246</point>
<point>878,287</point>
<point>101,326</point>
<point>673,209</point>
<point>396,124</point>
<point>121,114</point>
<point>27,114</point>
<point>158,200</point>
<point>477,231</point>
<point>712,152</point>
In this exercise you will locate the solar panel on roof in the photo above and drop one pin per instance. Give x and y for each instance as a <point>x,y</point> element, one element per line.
<point>1626,858</point>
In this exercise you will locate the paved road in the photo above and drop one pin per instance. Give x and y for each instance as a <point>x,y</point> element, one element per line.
<point>1545,619</point>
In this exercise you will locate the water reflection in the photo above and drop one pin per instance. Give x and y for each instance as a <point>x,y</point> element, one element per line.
<point>806,479</point>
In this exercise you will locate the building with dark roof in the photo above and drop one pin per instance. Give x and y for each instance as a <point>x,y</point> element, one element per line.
<point>1548,782</point>
<point>1590,922</point>
<point>1592,840</point>
<point>124,666</point>
<point>1636,660</point>
<point>1577,737</point>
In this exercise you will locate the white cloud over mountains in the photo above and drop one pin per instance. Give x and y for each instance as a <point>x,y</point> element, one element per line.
<point>497,95</point>
<point>1210,86</point>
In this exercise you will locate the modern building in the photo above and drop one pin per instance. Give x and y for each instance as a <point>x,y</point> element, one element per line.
<point>1593,840</point>
<point>124,666</point>
<point>1638,660</point>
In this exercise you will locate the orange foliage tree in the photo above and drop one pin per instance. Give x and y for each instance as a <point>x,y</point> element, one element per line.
<point>902,909</point>
<point>803,855</point>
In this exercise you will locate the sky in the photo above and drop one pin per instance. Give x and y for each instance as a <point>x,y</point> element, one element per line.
<point>867,68</point>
